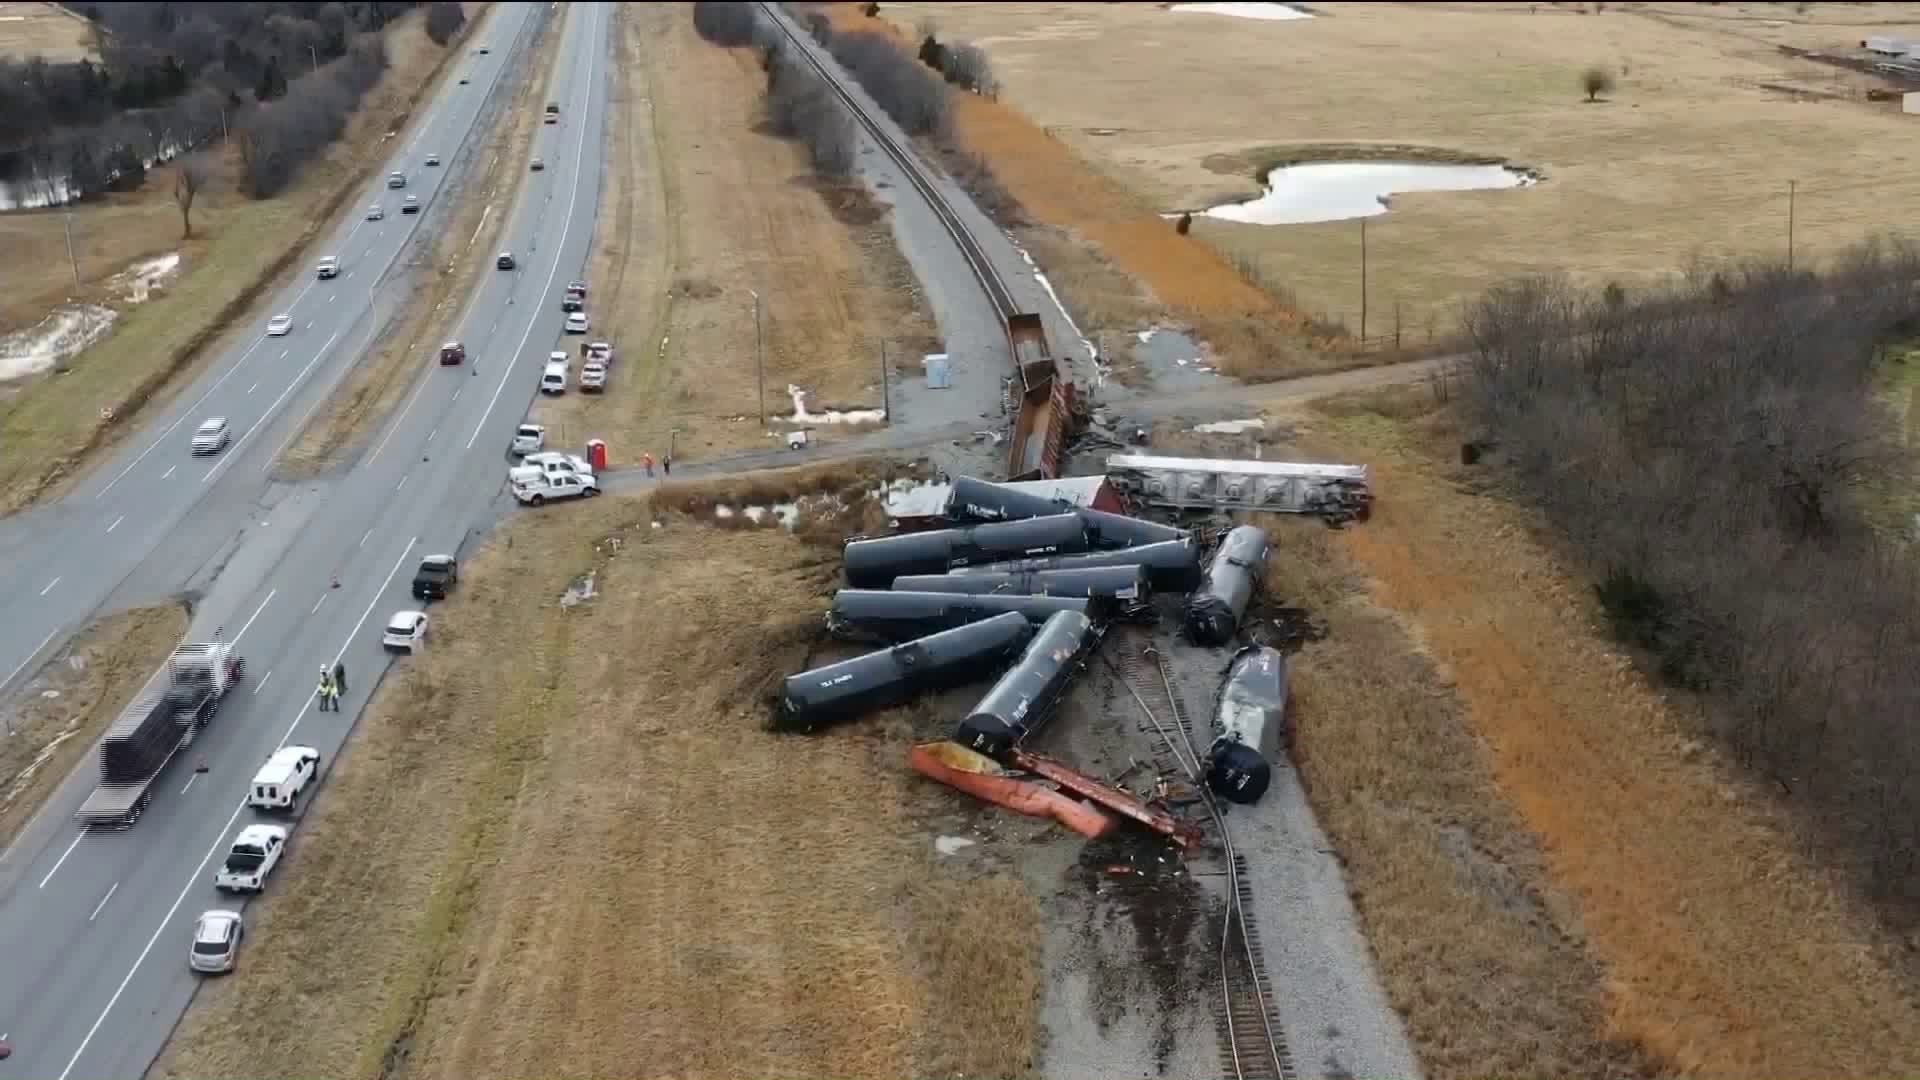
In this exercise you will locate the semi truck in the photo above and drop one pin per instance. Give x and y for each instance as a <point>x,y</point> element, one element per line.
<point>1043,405</point>
<point>155,727</point>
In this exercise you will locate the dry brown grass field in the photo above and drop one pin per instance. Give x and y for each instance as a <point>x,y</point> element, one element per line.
<point>239,248</point>
<point>1593,818</point>
<point>598,861</point>
<point>46,30</point>
<point>1105,226</point>
<point>743,212</point>
<point>1691,156</point>
<point>91,680</point>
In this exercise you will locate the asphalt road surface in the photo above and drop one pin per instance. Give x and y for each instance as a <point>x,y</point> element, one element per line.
<point>94,927</point>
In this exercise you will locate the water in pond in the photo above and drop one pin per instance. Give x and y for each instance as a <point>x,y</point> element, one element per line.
<point>1337,190</point>
<point>1273,12</point>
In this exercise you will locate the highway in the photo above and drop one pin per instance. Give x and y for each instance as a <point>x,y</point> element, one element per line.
<point>95,926</point>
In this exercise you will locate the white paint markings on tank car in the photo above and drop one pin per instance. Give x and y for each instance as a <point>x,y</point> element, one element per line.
<point>97,908</point>
<point>317,603</point>
<point>262,684</point>
<point>63,858</point>
<point>169,472</point>
<point>116,522</point>
<point>50,586</point>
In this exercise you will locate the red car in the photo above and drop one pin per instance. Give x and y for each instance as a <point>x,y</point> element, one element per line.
<point>453,353</point>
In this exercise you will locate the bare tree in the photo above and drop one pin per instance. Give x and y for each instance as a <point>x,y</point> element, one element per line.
<point>444,20</point>
<point>1596,80</point>
<point>190,175</point>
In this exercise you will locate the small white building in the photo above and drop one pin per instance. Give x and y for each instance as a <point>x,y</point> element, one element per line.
<point>1910,103</point>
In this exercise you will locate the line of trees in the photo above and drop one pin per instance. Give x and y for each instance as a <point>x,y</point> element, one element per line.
<point>277,137</point>
<point>173,77</point>
<point>797,103</point>
<point>1719,452</point>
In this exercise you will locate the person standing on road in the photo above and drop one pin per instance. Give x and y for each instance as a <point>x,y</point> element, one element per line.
<point>646,461</point>
<point>339,678</point>
<point>666,464</point>
<point>326,687</point>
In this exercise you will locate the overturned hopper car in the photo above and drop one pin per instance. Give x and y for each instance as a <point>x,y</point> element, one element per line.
<point>1249,724</point>
<point>873,564</point>
<point>1028,691</point>
<point>1127,584</point>
<point>842,691</point>
<point>971,499</point>
<point>1172,566</point>
<point>880,615</point>
<point>1214,610</point>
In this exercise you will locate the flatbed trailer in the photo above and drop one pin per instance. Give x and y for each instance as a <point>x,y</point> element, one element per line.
<point>199,675</point>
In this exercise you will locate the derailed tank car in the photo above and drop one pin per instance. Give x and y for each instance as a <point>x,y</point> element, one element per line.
<point>971,499</point>
<point>1173,566</point>
<point>842,691</point>
<point>1215,609</point>
<point>1249,724</point>
<point>1025,694</point>
<point>873,564</point>
<point>1127,584</point>
<point>880,615</point>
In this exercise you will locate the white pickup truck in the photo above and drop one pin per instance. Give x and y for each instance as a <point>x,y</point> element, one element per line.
<point>538,490</point>
<point>253,856</point>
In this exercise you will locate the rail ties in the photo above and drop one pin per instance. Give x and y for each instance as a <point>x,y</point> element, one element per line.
<point>1252,1043</point>
<point>915,172</point>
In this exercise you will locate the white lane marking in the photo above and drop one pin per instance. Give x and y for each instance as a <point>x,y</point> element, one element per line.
<point>309,324</point>
<point>191,409</point>
<point>194,878</point>
<point>317,603</point>
<point>271,409</point>
<point>396,487</point>
<point>116,522</point>
<point>63,858</point>
<point>271,593</point>
<point>188,786</point>
<point>363,538</point>
<point>432,433</point>
<point>484,214</point>
<point>262,684</point>
<point>252,388</point>
<point>456,393</point>
<point>103,902</point>
<point>399,419</point>
<point>50,586</point>
<point>284,352</point>
<point>169,472</point>
<point>331,297</point>
<point>573,198</point>
<point>17,668</point>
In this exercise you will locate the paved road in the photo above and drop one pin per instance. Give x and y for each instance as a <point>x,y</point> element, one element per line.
<point>61,561</point>
<point>94,927</point>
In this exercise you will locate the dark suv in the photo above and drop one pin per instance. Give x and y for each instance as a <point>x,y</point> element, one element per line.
<point>437,575</point>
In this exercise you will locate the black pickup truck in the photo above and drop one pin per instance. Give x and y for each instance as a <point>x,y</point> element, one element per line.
<point>437,575</point>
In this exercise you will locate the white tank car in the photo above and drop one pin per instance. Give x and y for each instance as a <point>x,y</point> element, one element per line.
<point>1249,724</point>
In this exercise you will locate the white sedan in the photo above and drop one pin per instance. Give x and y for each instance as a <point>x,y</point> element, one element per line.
<point>576,322</point>
<point>406,632</point>
<point>280,326</point>
<point>375,212</point>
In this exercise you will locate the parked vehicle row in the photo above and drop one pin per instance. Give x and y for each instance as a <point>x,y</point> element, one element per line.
<point>252,856</point>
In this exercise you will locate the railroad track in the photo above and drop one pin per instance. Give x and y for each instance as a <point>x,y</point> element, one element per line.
<point>1252,1046</point>
<point>910,165</point>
